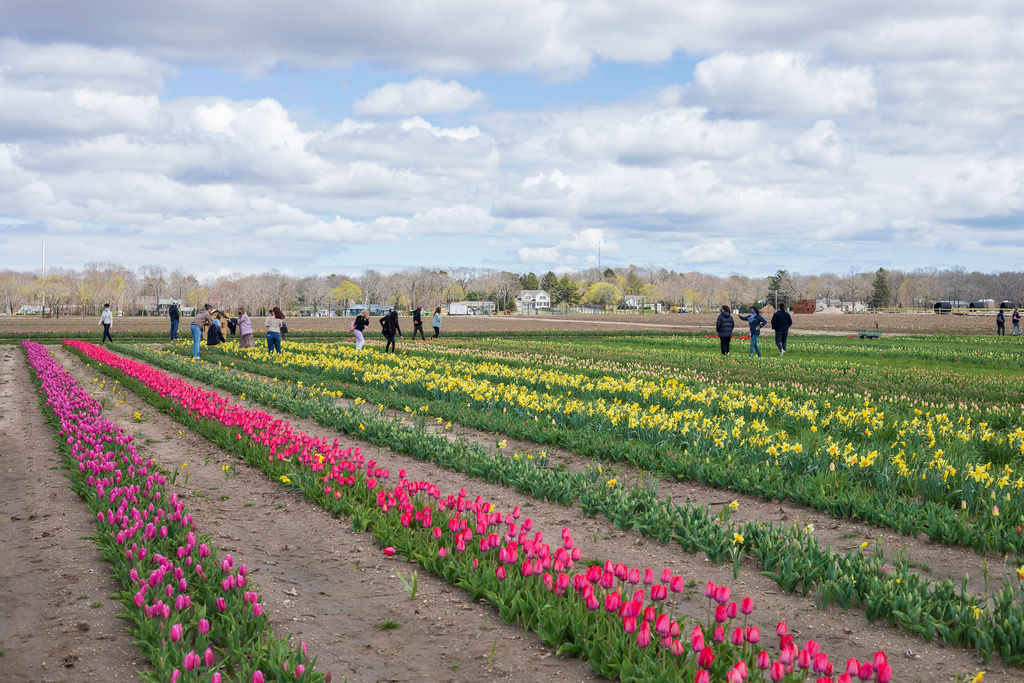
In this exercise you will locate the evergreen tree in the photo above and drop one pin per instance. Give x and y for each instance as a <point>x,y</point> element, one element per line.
<point>568,292</point>
<point>780,288</point>
<point>549,283</point>
<point>529,281</point>
<point>881,295</point>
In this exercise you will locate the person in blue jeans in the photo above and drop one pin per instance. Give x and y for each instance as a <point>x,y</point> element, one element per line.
<point>175,316</point>
<point>756,322</point>
<point>275,318</point>
<point>199,323</point>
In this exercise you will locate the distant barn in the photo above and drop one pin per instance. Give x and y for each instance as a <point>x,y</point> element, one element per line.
<point>805,306</point>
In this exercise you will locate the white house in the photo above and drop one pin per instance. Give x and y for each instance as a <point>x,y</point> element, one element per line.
<point>532,300</point>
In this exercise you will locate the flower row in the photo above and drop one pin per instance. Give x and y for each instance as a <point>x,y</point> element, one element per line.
<point>194,613</point>
<point>621,628</point>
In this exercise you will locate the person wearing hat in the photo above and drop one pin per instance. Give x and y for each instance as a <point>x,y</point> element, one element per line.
<point>756,322</point>
<point>175,314</point>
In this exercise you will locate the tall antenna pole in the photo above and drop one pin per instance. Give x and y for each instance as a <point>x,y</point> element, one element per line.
<point>599,255</point>
<point>42,274</point>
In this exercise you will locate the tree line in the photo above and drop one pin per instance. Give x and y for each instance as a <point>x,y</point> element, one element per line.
<point>137,292</point>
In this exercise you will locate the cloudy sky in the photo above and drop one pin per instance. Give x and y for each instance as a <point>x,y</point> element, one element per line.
<point>319,136</point>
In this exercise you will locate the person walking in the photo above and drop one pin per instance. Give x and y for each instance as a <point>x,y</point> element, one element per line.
<point>358,326</point>
<point>244,329</point>
<point>1015,319</point>
<point>723,327</point>
<point>199,323</point>
<point>437,322</point>
<point>273,323</point>
<point>389,328</point>
<point>756,322</point>
<point>106,319</point>
<point>1000,323</point>
<point>417,322</point>
<point>781,322</point>
<point>175,314</point>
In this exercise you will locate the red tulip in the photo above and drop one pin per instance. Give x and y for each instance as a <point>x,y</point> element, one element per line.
<point>746,605</point>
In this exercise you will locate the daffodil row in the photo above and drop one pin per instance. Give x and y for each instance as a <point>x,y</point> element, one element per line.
<point>900,456</point>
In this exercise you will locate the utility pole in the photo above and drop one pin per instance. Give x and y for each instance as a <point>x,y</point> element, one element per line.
<point>42,275</point>
<point>599,257</point>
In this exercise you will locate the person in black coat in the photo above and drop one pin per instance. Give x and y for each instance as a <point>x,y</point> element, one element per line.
<point>724,327</point>
<point>1000,323</point>
<point>215,334</point>
<point>417,323</point>
<point>389,328</point>
<point>781,322</point>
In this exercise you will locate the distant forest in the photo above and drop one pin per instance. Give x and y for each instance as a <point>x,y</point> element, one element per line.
<point>140,291</point>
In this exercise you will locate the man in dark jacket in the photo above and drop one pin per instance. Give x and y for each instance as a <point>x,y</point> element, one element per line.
<point>781,322</point>
<point>175,313</point>
<point>1000,322</point>
<point>723,328</point>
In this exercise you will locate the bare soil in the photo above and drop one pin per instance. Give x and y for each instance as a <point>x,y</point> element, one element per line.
<point>57,621</point>
<point>845,323</point>
<point>842,634</point>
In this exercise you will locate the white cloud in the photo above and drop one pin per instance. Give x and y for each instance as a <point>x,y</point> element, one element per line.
<point>820,146</point>
<point>721,250</point>
<point>782,84</point>
<point>419,124</point>
<point>579,249</point>
<point>66,66</point>
<point>420,96</point>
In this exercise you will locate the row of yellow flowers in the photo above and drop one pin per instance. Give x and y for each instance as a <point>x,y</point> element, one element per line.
<point>928,453</point>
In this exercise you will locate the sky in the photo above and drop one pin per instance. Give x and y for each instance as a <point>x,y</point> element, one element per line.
<point>325,136</point>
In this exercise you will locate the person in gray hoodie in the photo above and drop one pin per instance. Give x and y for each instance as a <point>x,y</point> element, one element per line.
<point>756,322</point>
<point>723,327</point>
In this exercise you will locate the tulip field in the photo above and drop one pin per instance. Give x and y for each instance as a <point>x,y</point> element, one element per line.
<point>630,506</point>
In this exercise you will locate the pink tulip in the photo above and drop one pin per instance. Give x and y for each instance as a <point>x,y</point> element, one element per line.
<point>257,676</point>
<point>176,633</point>
<point>702,676</point>
<point>763,660</point>
<point>643,636</point>
<point>777,672</point>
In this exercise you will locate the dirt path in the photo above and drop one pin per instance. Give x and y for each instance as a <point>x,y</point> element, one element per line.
<point>841,634</point>
<point>324,583</point>
<point>57,621</point>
